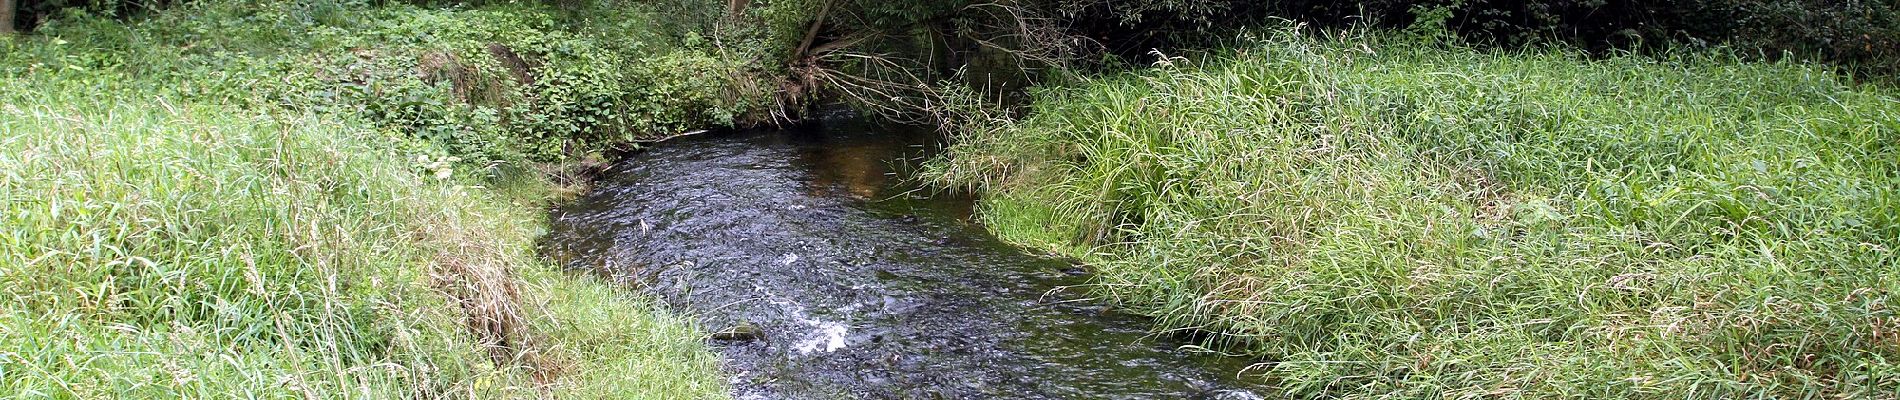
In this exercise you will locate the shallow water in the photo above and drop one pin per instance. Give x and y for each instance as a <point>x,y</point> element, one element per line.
<point>861,286</point>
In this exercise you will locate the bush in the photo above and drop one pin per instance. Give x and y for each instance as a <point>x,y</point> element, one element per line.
<point>1860,34</point>
<point>497,85</point>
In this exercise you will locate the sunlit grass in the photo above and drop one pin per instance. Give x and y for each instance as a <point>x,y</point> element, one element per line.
<point>1382,219</point>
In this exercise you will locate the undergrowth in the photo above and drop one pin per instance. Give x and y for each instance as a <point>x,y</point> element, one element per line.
<point>317,200</point>
<point>494,85</point>
<point>1376,218</point>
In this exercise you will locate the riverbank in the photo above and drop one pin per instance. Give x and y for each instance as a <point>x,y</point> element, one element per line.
<point>318,201</point>
<point>1375,218</point>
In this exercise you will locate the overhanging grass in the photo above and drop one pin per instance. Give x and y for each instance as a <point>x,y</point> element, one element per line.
<point>1382,219</point>
<point>169,229</point>
<point>157,248</point>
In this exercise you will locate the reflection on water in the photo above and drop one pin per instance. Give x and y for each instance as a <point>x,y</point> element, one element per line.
<point>852,168</point>
<point>860,286</point>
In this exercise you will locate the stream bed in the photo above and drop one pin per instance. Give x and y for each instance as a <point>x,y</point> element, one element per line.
<point>832,278</point>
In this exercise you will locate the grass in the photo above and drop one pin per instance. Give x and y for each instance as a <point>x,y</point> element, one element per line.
<point>495,85</point>
<point>198,226</point>
<point>1375,218</point>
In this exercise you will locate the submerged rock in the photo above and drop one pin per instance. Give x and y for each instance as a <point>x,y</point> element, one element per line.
<point>1212,391</point>
<point>1232,394</point>
<point>743,332</point>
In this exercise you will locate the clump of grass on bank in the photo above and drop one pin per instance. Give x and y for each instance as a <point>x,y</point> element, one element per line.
<point>157,247</point>
<point>184,222</point>
<point>1382,219</point>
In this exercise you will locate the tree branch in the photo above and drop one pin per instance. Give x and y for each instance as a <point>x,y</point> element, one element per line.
<point>812,33</point>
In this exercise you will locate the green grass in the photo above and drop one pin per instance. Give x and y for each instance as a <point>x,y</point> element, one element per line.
<point>176,222</point>
<point>1378,219</point>
<point>495,85</point>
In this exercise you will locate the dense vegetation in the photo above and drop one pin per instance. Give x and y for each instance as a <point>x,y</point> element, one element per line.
<point>1378,218</point>
<point>334,198</point>
<point>321,200</point>
<point>1862,36</point>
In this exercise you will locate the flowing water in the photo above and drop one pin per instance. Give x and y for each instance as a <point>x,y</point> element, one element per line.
<point>860,286</point>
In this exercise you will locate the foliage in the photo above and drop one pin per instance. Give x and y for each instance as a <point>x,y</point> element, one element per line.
<point>495,85</point>
<point>1863,35</point>
<point>1381,219</point>
<point>261,200</point>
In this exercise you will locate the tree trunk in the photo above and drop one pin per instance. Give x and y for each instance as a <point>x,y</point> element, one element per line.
<point>734,8</point>
<point>6,16</point>
<point>810,34</point>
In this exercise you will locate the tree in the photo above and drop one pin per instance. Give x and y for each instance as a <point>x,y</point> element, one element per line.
<point>6,16</point>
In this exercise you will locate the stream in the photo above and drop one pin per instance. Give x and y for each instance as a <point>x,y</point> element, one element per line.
<point>845,282</point>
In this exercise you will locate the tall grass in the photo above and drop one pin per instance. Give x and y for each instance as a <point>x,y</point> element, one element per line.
<point>161,240</point>
<point>1381,219</point>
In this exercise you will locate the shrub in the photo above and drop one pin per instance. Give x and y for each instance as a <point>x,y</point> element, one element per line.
<point>497,85</point>
<point>1859,34</point>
